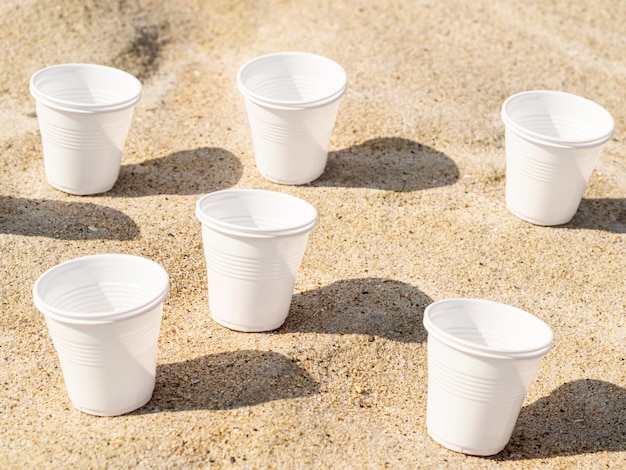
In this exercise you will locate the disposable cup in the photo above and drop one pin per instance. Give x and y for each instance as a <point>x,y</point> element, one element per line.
<point>103,313</point>
<point>292,101</point>
<point>84,113</point>
<point>482,359</point>
<point>553,141</point>
<point>292,80</point>
<point>254,242</point>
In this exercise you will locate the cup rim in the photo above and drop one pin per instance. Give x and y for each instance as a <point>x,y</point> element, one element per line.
<point>473,348</point>
<point>333,95</point>
<point>79,107</point>
<point>65,316</point>
<point>298,107</point>
<point>544,139</point>
<point>305,226</point>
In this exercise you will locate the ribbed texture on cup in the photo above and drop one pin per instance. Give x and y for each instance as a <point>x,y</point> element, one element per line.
<point>246,221</point>
<point>491,338</point>
<point>297,132</point>
<point>85,88</point>
<point>102,298</point>
<point>554,170</point>
<point>482,358</point>
<point>488,329</point>
<point>247,268</point>
<point>90,353</point>
<point>558,119</point>
<point>295,89</point>
<point>87,97</point>
<point>292,80</point>
<point>557,127</point>
<point>94,135</point>
<point>471,386</point>
<point>295,99</point>
<point>256,213</point>
<point>100,289</point>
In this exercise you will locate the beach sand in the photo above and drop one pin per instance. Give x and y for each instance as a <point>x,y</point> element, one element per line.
<point>411,210</point>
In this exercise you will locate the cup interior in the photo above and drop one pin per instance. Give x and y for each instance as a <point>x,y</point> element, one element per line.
<point>253,212</point>
<point>557,118</point>
<point>292,79</point>
<point>488,328</point>
<point>101,288</point>
<point>85,87</point>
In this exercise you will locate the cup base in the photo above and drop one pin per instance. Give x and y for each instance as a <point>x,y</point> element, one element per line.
<point>249,329</point>
<point>288,182</point>
<point>543,223</point>
<point>82,192</point>
<point>121,411</point>
<point>464,450</point>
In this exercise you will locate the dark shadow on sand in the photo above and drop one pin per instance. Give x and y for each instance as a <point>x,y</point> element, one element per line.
<point>64,220</point>
<point>580,417</point>
<point>389,163</point>
<point>196,171</point>
<point>228,380</point>
<point>607,214</point>
<point>369,306</point>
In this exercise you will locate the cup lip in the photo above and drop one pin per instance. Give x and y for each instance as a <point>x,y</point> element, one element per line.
<point>256,232</point>
<point>486,351</point>
<point>79,318</point>
<point>302,107</point>
<point>79,107</point>
<point>334,95</point>
<point>556,141</point>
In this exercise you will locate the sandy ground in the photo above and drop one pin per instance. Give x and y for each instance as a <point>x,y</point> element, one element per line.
<point>411,211</point>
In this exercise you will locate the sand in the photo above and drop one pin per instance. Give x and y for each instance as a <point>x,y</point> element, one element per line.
<point>411,210</point>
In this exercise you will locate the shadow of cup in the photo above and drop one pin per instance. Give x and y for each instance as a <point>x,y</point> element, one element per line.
<point>369,306</point>
<point>580,417</point>
<point>64,220</point>
<point>196,171</point>
<point>228,380</point>
<point>389,163</point>
<point>604,214</point>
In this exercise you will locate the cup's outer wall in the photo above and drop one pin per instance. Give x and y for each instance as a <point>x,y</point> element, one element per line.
<point>109,369</point>
<point>545,184</point>
<point>473,402</point>
<point>251,280</point>
<point>291,146</point>
<point>82,152</point>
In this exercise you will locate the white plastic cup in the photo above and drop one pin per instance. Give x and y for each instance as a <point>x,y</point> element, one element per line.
<point>482,359</point>
<point>254,242</point>
<point>292,101</point>
<point>104,314</point>
<point>84,113</point>
<point>553,141</point>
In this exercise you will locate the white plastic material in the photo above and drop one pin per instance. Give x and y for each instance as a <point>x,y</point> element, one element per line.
<point>292,101</point>
<point>292,80</point>
<point>104,313</point>
<point>84,113</point>
<point>553,141</point>
<point>482,359</point>
<point>254,242</point>
<point>291,147</point>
